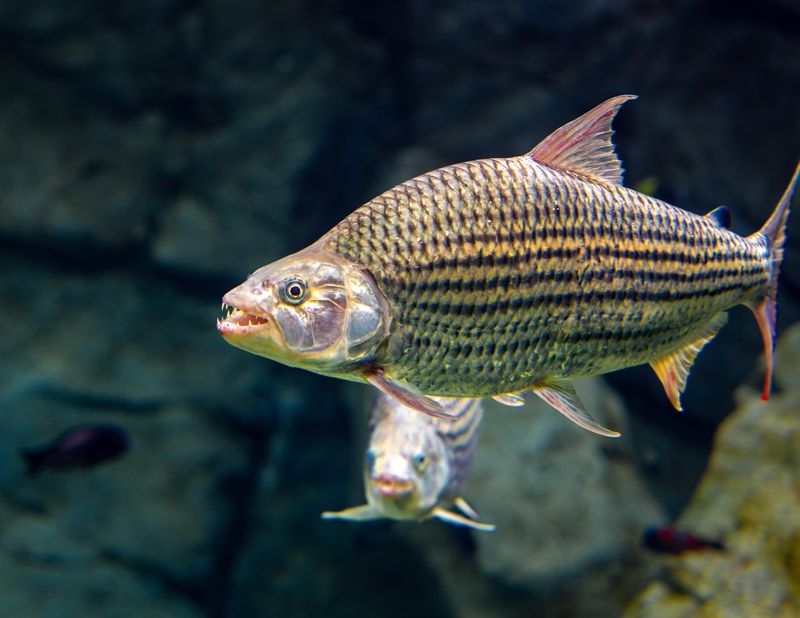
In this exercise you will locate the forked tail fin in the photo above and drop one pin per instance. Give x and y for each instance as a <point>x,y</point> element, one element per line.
<point>774,230</point>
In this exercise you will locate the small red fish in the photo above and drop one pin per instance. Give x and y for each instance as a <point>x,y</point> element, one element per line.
<point>83,446</point>
<point>669,540</point>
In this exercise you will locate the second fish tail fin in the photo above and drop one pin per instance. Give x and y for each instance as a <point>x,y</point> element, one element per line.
<point>766,308</point>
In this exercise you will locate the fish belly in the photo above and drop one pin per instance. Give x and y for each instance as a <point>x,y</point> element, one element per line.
<point>500,273</point>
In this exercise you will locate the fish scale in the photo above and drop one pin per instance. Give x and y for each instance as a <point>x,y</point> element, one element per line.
<point>511,257</point>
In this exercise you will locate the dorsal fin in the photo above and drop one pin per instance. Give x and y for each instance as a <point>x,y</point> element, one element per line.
<point>721,216</point>
<point>584,145</point>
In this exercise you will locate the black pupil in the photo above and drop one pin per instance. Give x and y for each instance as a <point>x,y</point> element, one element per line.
<point>295,291</point>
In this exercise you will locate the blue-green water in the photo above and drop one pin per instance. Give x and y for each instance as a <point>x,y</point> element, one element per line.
<point>151,155</point>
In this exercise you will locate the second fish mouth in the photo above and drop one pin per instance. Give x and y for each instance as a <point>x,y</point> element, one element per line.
<point>393,487</point>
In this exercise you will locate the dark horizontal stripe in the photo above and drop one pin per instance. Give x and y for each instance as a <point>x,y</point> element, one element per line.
<point>568,298</point>
<point>463,436</point>
<point>546,253</point>
<point>463,427</point>
<point>505,282</point>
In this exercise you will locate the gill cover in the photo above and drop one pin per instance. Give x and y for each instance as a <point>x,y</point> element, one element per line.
<point>326,309</point>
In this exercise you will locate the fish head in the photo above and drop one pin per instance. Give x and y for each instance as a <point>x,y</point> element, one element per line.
<point>312,309</point>
<point>406,468</point>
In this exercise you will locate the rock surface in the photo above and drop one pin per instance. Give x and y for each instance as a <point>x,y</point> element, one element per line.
<point>564,500</point>
<point>569,507</point>
<point>750,499</point>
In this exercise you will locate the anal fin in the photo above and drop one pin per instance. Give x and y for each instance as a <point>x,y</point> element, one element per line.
<point>564,398</point>
<point>408,395</point>
<point>673,368</point>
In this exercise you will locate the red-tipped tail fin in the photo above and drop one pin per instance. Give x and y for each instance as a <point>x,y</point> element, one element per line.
<point>766,310</point>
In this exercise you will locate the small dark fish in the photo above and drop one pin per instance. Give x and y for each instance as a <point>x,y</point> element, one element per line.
<point>669,540</point>
<point>84,446</point>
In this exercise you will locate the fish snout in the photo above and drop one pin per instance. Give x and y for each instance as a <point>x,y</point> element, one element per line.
<point>241,313</point>
<point>390,486</point>
<point>242,299</point>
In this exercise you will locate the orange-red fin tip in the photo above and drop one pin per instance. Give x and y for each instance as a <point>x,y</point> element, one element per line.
<point>673,369</point>
<point>407,394</point>
<point>766,311</point>
<point>584,145</point>
<point>765,316</point>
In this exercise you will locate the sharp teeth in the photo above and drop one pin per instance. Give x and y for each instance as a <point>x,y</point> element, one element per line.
<point>226,310</point>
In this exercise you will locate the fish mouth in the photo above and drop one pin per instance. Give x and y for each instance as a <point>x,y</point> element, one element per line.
<point>393,487</point>
<point>235,321</point>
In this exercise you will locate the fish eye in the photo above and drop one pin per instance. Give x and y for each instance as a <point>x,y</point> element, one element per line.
<point>293,291</point>
<point>420,460</point>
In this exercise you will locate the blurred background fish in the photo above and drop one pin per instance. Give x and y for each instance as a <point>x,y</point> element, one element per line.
<point>668,539</point>
<point>415,464</point>
<point>83,446</point>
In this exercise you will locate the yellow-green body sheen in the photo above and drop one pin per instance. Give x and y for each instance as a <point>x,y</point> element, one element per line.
<point>501,273</point>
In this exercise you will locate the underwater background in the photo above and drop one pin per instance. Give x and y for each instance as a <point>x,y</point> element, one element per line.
<point>153,153</point>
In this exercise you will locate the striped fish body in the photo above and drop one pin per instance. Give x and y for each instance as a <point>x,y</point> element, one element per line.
<point>501,273</point>
<point>499,276</point>
<point>416,464</point>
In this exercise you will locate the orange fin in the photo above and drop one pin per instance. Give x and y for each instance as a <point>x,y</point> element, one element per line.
<point>584,145</point>
<point>407,394</point>
<point>766,311</point>
<point>513,400</point>
<point>563,397</point>
<point>673,368</point>
<point>765,314</point>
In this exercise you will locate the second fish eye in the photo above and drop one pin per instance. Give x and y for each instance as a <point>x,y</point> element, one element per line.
<point>420,460</point>
<point>293,291</point>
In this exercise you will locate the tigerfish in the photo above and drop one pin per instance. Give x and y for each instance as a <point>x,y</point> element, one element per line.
<point>415,464</point>
<point>499,276</point>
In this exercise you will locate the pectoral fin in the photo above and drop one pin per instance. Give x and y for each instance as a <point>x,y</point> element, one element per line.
<point>407,394</point>
<point>673,368</point>
<point>356,513</point>
<point>563,397</point>
<point>460,520</point>
<point>510,399</point>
